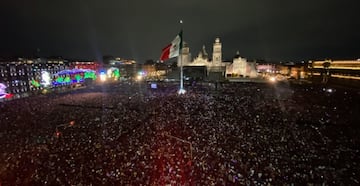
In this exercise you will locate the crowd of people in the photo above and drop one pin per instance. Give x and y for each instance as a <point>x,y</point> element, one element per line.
<point>129,134</point>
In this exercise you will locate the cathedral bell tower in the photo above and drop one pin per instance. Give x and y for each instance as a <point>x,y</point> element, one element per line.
<point>217,58</point>
<point>185,54</point>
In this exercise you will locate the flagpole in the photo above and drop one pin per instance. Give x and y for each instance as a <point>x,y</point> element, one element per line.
<point>181,90</point>
<point>181,71</point>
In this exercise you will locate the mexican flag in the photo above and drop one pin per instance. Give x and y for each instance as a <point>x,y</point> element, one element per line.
<point>173,49</point>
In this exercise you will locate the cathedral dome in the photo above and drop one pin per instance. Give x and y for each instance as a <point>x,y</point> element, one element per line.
<point>237,55</point>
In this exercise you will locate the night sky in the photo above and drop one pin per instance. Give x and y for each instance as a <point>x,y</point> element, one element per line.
<point>274,30</point>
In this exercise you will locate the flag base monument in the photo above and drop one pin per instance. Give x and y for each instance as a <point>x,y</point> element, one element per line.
<point>181,91</point>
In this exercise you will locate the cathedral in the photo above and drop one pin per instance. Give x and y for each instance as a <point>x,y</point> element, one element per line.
<point>216,67</point>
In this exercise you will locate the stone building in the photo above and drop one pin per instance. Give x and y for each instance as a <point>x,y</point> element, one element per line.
<point>215,68</point>
<point>240,67</point>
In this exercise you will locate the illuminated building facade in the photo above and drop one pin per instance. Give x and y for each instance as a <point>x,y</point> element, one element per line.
<point>128,68</point>
<point>40,67</point>
<point>120,61</point>
<point>156,71</point>
<point>23,75</point>
<point>13,74</point>
<point>292,70</point>
<point>240,67</point>
<point>72,77</point>
<point>149,70</point>
<point>266,68</point>
<point>91,65</point>
<point>214,66</point>
<point>338,69</point>
<point>111,68</point>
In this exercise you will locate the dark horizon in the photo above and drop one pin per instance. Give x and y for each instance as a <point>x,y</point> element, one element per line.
<point>269,30</point>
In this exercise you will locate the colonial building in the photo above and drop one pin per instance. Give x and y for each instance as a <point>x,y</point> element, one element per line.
<point>92,65</point>
<point>23,75</point>
<point>215,68</point>
<point>335,69</point>
<point>240,67</point>
<point>203,58</point>
<point>14,75</point>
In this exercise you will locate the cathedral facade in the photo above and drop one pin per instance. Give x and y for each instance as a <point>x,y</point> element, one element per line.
<point>239,67</point>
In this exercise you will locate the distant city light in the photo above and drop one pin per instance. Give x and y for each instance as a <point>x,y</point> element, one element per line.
<point>57,134</point>
<point>67,79</point>
<point>8,96</point>
<point>116,74</point>
<point>45,78</point>
<point>3,93</point>
<point>35,83</point>
<point>141,73</point>
<point>329,90</point>
<point>78,78</point>
<point>44,91</point>
<point>102,76</point>
<point>272,79</point>
<point>109,72</point>
<point>72,123</point>
<point>113,73</point>
<point>153,85</point>
<point>2,88</point>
